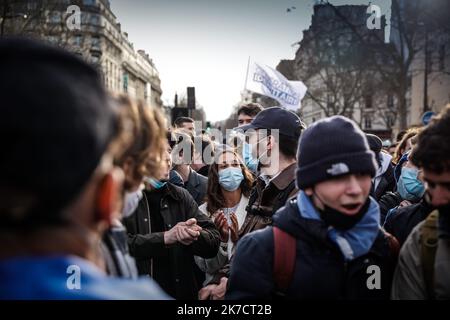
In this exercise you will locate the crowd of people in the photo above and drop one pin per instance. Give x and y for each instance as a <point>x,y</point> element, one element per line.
<point>101,199</point>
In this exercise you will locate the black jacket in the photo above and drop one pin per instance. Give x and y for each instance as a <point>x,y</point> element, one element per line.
<point>177,205</point>
<point>387,183</point>
<point>265,200</point>
<point>320,270</point>
<point>402,221</point>
<point>197,186</point>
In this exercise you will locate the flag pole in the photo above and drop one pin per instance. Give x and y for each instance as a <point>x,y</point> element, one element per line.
<point>246,76</point>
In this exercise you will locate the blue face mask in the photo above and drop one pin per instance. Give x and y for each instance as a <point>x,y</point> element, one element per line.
<point>156,184</point>
<point>230,178</point>
<point>409,186</point>
<point>250,162</point>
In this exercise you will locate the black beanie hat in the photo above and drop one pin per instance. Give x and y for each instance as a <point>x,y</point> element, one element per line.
<point>332,147</point>
<point>375,143</point>
<point>55,125</point>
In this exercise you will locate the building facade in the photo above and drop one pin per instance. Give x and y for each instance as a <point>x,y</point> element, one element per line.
<point>99,39</point>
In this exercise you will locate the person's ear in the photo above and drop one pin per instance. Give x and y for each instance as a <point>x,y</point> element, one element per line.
<point>128,166</point>
<point>309,191</point>
<point>108,193</point>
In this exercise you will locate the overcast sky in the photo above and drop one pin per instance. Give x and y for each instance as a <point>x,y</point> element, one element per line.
<point>207,43</point>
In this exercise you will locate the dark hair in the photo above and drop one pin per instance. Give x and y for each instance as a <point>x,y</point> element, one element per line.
<point>182,140</point>
<point>215,199</point>
<point>400,135</point>
<point>432,151</point>
<point>179,121</point>
<point>400,150</point>
<point>171,139</point>
<point>250,109</point>
<point>205,143</point>
<point>288,146</point>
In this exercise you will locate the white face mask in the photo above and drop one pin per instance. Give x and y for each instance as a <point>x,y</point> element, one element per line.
<point>131,202</point>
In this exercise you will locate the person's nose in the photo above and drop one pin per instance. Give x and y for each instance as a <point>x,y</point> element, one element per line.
<point>353,186</point>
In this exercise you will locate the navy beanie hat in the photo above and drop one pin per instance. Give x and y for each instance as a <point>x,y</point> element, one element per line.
<point>332,147</point>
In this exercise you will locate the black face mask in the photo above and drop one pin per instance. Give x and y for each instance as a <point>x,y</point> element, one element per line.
<point>342,221</point>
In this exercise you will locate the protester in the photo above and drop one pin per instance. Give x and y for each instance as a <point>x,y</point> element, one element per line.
<point>276,157</point>
<point>275,153</point>
<point>227,198</point>
<point>404,145</point>
<point>401,220</point>
<point>59,188</point>
<point>142,135</point>
<point>401,198</point>
<point>203,154</point>
<point>183,155</point>
<point>384,180</point>
<point>422,271</point>
<point>186,125</point>
<point>247,113</point>
<point>166,231</point>
<point>322,242</point>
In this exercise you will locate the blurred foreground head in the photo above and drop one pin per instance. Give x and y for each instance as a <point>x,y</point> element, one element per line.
<point>56,129</point>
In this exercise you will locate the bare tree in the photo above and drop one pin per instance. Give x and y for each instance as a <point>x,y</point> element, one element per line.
<point>411,22</point>
<point>332,63</point>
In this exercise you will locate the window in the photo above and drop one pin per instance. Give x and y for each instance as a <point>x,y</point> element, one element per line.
<point>89,2</point>
<point>53,39</point>
<point>367,122</point>
<point>55,17</point>
<point>32,5</point>
<point>95,59</point>
<point>94,20</point>
<point>442,57</point>
<point>77,40</point>
<point>96,42</point>
<point>390,121</point>
<point>390,101</point>
<point>368,103</point>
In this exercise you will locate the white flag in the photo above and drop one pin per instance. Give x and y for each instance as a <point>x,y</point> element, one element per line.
<point>271,83</point>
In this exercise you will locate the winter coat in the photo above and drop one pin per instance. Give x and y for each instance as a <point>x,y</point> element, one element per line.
<point>197,186</point>
<point>403,220</point>
<point>226,250</point>
<point>384,180</point>
<point>320,272</point>
<point>177,205</point>
<point>409,279</point>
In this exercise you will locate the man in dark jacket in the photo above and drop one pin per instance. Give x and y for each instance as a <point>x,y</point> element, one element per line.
<point>339,250</point>
<point>276,154</point>
<point>183,155</point>
<point>384,180</point>
<point>165,232</point>
<point>273,137</point>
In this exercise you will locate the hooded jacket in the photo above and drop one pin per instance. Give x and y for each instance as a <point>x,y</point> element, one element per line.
<point>384,180</point>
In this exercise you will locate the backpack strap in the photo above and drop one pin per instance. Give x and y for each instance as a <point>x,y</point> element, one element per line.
<point>429,242</point>
<point>284,258</point>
